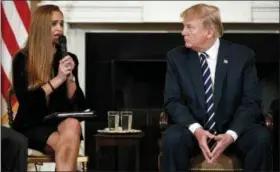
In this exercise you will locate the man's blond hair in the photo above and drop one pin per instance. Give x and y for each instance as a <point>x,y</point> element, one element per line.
<point>209,14</point>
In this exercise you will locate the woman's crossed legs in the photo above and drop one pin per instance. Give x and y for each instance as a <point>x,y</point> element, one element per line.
<point>65,144</point>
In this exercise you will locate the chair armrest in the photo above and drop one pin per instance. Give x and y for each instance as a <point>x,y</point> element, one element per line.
<point>10,93</point>
<point>163,121</point>
<point>268,121</point>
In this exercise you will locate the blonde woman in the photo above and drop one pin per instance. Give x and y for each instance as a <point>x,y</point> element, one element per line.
<point>45,82</point>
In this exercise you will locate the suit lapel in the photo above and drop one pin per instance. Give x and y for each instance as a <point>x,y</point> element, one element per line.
<point>195,70</point>
<point>221,70</point>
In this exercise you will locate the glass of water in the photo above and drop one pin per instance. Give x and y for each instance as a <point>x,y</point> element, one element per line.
<point>126,120</point>
<point>113,120</point>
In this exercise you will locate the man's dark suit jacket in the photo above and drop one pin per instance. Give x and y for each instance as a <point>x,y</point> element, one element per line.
<point>237,99</point>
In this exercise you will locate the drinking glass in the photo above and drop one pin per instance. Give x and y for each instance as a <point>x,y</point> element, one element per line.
<point>113,120</point>
<point>126,120</point>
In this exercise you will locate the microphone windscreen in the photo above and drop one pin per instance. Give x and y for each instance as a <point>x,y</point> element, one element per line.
<point>62,42</point>
<point>62,39</point>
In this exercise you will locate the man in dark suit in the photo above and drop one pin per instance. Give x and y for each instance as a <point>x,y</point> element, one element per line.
<point>212,95</point>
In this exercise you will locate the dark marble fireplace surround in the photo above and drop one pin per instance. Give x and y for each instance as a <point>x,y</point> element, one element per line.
<point>127,71</point>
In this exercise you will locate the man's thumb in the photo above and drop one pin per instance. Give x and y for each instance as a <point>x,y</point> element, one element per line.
<point>211,136</point>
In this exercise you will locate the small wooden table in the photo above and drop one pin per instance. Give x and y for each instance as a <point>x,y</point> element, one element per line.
<point>131,139</point>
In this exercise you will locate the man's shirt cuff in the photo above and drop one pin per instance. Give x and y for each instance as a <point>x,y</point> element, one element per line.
<point>232,134</point>
<point>194,126</point>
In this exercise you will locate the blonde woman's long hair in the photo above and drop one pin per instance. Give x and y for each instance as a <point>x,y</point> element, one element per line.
<point>39,46</point>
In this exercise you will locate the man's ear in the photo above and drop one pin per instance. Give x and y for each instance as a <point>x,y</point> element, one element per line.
<point>211,33</point>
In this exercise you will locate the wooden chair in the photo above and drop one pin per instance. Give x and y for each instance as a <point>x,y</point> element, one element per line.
<point>226,162</point>
<point>34,156</point>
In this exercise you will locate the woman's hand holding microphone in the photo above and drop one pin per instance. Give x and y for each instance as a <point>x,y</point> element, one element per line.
<point>66,66</point>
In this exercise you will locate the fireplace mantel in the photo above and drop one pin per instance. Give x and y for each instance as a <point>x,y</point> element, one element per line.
<point>163,11</point>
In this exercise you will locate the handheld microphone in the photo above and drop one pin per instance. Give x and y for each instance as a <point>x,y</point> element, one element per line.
<point>63,47</point>
<point>62,42</point>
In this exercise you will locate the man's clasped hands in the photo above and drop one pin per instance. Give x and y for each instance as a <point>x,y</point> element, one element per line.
<point>222,141</point>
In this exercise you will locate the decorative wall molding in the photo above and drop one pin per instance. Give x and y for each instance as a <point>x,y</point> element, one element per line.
<point>169,11</point>
<point>265,11</point>
<point>163,11</point>
<point>100,11</point>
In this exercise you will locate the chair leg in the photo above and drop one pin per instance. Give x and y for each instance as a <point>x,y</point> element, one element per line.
<point>35,165</point>
<point>158,162</point>
<point>160,155</point>
<point>84,166</point>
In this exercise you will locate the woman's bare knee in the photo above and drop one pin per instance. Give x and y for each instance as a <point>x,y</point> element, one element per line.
<point>70,126</point>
